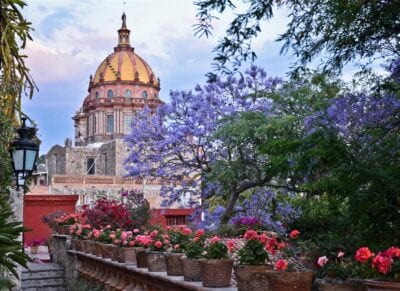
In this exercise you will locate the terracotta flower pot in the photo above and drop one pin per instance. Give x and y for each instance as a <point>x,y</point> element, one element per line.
<point>378,285</point>
<point>191,269</point>
<point>156,261</point>
<point>174,264</point>
<point>98,249</point>
<point>114,252</point>
<point>334,284</point>
<point>252,277</point>
<point>216,273</point>
<point>106,250</point>
<point>129,255</point>
<point>34,249</point>
<point>289,281</point>
<point>141,258</point>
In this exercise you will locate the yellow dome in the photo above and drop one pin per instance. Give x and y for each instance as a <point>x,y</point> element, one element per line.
<point>125,65</point>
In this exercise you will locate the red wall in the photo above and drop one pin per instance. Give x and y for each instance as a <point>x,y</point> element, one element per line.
<point>159,216</point>
<point>36,206</point>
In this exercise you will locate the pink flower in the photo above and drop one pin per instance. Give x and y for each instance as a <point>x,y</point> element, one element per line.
<point>158,244</point>
<point>322,261</point>
<point>214,239</point>
<point>112,236</point>
<point>176,247</point>
<point>363,254</point>
<point>195,239</point>
<point>135,230</point>
<point>382,263</point>
<point>340,254</point>
<point>108,226</point>
<point>186,231</point>
<point>251,235</point>
<point>154,233</point>
<point>117,241</point>
<point>231,245</point>
<point>294,234</point>
<point>281,265</point>
<point>200,232</point>
<point>263,238</point>
<point>78,232</point>
<point>131,243</point>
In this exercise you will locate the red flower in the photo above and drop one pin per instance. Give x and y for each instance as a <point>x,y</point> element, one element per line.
<point>281,265</point>
<point>294,234</point>
<point>200,232</point>
<point>363,254</point>
<point>382,263</point>
<point>158,244</point>
<point>214,239</point>
<point>393,252</point>
<point>231,245</point>
<point>251,235</point>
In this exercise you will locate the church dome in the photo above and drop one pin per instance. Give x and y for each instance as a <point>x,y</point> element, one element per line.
<point>125,65</point>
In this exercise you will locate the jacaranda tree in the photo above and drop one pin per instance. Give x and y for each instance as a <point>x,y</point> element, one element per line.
<point>180,144</point>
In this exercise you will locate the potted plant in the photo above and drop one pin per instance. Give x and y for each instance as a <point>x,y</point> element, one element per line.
<point>253,258</point>
<point>141,244</point>
<point>288,274</point>
<point>34,245</point>
<point>336,271</point>
<point>105,239</point>
<point>216,258</point>
<point>64,221</point>
<point>179,237</point>
<point>191,262</point>
<point>156,253</point>
<point>382,270</point>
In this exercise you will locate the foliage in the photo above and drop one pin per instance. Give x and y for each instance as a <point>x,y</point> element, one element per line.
<point>14,75</point>
<point>80,231</point>
<point>179,237</point>
<point>138,206</point>
<point>215,249</point>
<point>253,252</point>
<point>11,248</point>
<point>340,31</point>
<point>195,248</point>
<point>36,242</point>
<point>49,219</point>
<point>108,212</point>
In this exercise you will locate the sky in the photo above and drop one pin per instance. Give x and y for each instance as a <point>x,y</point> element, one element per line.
<point>72,37</point>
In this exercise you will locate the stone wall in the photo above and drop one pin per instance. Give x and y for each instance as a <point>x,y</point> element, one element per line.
<point>61,244</point>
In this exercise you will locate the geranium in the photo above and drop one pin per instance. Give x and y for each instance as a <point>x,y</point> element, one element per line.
<point>382,263</point>
<point>281,265</point>
<point>254,252</point>
<point>294,234</point>
<point>35,243</point>
<point>179,237</point>
<point>215,249</point>
<point>322,261</point>
<point>195,247</point>
<point>363,254</point>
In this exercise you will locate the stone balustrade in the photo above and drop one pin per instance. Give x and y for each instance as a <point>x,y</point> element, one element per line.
<point>113,275</point>
<point>99,180</point>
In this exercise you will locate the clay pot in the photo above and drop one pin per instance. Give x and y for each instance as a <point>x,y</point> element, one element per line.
<point>289,281</point>
<point>156,261</point>
<point>377,285</point>
<point>141,258</point>
<point>191,269</point>
<point>252,277</point>
<point>129,255</point>
<point>334,284</point>
<point>174,264</point>
<point>216,273</point>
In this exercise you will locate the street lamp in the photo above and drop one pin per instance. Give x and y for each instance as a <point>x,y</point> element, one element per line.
<point>24,153</point>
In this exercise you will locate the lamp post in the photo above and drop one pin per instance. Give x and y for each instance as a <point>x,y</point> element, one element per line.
<point>24,153</point>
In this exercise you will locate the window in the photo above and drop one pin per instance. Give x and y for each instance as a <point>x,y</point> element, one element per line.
<point>144,95</point>
<point>127,93</point>
<point>90,169</point>
<point>110,94</point>
<point>176,220</point>
<point>110,123</point>
<point>127,123</point>
<point>96,95</point>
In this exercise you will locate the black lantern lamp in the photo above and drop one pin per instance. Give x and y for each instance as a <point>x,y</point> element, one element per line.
<point>24,153</point>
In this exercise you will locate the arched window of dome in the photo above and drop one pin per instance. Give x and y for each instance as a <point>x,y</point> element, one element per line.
<point>144,94</point>
<point>110,94</point>
<point>96,95</point>
<point>127,93</point>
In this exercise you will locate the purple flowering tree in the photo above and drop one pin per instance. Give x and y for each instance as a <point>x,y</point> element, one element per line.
<point>178,143</point>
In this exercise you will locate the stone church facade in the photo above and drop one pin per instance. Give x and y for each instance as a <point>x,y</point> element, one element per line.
<point>93,165</point>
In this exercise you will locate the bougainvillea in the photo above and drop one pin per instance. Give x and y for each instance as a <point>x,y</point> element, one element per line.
<point>108,212</point>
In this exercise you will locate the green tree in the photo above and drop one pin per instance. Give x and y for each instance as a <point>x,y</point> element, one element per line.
<point>14,75</point>
<point>341,31</point>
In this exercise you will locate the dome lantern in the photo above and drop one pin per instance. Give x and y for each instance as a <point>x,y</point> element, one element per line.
<point>123,34</point>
